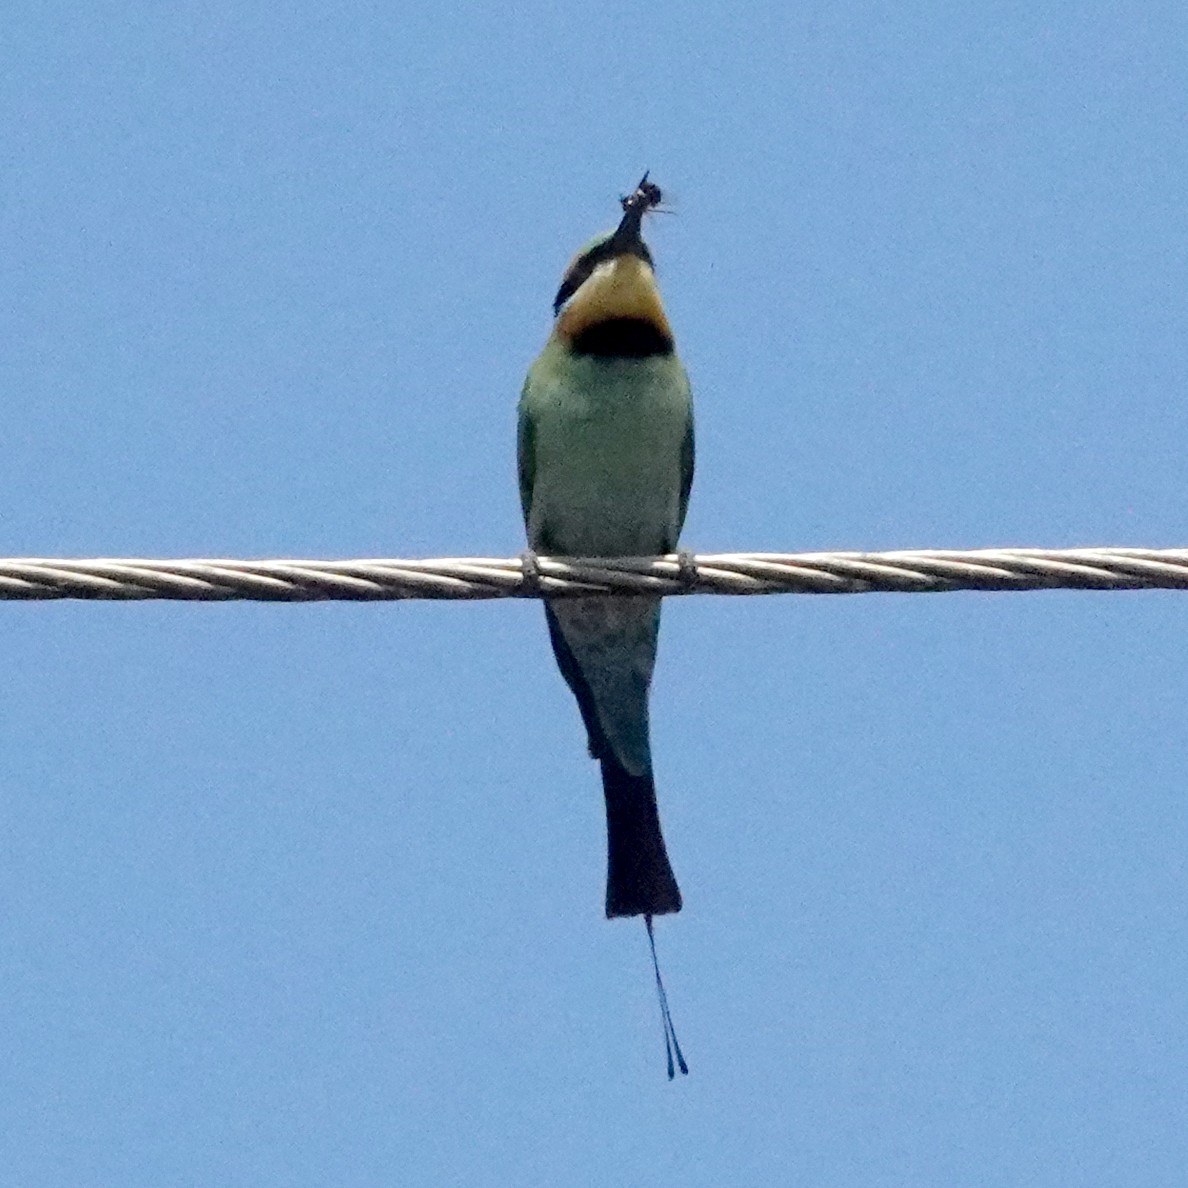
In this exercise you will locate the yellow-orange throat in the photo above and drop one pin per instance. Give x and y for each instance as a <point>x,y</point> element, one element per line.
<point>620,288</point>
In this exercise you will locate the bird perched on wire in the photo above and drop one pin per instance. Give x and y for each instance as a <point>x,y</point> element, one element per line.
<point>606,462</point>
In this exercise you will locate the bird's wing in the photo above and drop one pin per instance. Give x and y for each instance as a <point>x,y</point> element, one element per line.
<point>687,455</point>
<point>526,454</point>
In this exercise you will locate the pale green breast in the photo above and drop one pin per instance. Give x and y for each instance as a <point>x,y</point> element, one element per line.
<point>608,441</point>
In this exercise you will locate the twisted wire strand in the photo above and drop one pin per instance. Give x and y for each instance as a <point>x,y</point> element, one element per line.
<point>916,571</point>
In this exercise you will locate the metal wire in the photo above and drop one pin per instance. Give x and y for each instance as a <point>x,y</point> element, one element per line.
<point>901,571</point>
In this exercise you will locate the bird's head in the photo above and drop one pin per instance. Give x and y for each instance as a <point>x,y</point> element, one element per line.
<point>608,302</point>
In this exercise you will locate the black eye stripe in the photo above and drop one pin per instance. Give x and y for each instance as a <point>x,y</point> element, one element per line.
<point>579,273</point>
<point>584,265</point>
<point>570,285</point>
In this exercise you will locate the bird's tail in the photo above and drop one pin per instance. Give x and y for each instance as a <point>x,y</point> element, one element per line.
<point>639,878</point>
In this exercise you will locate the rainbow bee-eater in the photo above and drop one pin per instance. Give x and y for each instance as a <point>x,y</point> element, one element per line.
<point>606,463</point>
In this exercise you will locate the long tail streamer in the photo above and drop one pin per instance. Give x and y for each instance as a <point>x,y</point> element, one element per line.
<point>671,1045</point>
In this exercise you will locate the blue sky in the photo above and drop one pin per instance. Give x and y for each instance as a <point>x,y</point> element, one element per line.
<point>308,895</point>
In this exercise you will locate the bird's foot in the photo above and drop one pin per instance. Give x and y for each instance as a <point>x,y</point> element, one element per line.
<point>529,573</point>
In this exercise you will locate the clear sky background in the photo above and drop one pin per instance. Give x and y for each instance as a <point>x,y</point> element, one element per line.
<point>312,895</point>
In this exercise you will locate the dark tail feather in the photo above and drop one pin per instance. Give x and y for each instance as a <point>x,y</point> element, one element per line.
<point>639,878</point>
<point>672,1046</point>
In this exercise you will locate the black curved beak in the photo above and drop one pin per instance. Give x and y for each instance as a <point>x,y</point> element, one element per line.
<point>627,237</point>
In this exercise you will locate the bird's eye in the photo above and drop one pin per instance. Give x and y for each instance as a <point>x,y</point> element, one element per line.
<point>579,272</point>
<point>569,286</point>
